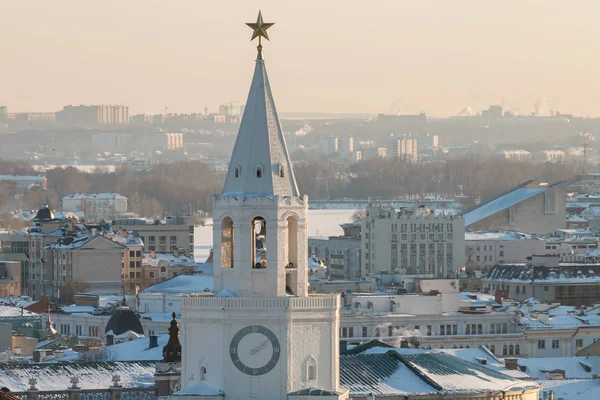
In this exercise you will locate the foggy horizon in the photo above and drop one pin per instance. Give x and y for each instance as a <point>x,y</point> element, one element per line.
<point>333,57</point>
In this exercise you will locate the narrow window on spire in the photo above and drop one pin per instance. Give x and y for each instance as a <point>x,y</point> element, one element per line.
<point>281,172</point>
<point>238,171</point>
<point>259,172</point>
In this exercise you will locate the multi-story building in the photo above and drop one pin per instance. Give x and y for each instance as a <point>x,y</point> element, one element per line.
<point>83,261</point>
<point>96,206</point>
<point>515,155</point>
<point>553,156</point>
<point>171,141</point>
<point>36,117</point>
<point>10,279</point>
<point>93,115</point>
<point>412,241</point>
<point>484,249</point>
<point>341,254</point>
<point>547,279</point>
<point>330,144</point>
<point>161,236</point>
<point>23,182</point>
<point>131,267</point>
<point>346,144</point>
<point>14,246</point>
<point>403,148</point>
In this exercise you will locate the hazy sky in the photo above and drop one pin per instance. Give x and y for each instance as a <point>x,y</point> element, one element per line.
<point>326,55</point>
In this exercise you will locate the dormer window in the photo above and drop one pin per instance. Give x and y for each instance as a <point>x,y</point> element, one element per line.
<point>259,171</point>
<point>238,171</point>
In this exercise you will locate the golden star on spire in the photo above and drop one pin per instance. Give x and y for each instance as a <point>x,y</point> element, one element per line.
<point>260,30</point>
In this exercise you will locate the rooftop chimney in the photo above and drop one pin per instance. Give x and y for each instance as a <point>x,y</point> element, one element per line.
<point>511,363</point>
<point>153,341</point>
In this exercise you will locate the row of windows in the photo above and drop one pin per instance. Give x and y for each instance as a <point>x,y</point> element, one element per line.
<point>422,237</point>
<point>65,329</point>
<point>439,227</point>
<point>161,239</point>
<point>444,330</point>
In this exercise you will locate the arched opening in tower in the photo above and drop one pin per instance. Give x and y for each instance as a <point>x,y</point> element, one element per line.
<point>227,243</point>
<point>292,242</point>
<point>259,247</point>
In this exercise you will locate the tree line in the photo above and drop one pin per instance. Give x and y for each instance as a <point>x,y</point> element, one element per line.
<point>181,188</point>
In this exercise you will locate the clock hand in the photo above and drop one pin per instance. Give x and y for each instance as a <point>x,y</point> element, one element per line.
<point>259,347</point>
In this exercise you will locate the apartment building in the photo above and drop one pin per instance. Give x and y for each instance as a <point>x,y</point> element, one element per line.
<point>174,233</point>
<point>484,249</point>
<point>96,206</point>
<point>341,254</point>
<point>411,241</point>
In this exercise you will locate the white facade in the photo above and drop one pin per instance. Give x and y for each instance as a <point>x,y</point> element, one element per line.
<point>414,241</point>
<point>96,206</point>
<point>261,335</point>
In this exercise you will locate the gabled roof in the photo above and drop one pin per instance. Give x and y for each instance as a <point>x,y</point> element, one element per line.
<point>92,375</point>
<point>260,144</point>
<point>515,196</point>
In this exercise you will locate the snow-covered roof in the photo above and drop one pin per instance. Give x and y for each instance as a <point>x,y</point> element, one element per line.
<point>573,389</point>
<point>574,367</point>
<point>128,239</point>
<point>402,372</point>
<point>478,355</point>
<point>10,311</point>
<point>497,235</point>
<point>260,144</point>
<point>507,200</point>
<point>78,309</point>
<point>92,375</point>
<point>183,284</point>
<point>174,261</point>
<point>89,196</point>
<point>576,273</point>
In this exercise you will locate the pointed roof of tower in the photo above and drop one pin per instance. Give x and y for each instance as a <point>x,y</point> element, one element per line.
<point>260,163</point>
<point>172,351</point>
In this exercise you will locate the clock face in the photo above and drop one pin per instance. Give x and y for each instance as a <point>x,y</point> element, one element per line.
<point>254,350</point>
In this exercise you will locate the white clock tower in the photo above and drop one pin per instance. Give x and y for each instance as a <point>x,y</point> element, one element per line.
<point>261,336</point>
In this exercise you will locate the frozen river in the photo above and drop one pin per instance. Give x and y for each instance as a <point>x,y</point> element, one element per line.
<point>321,223</point>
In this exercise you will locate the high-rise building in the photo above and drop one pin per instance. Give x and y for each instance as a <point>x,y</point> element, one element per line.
<point>330,144</point>
<point>346,144</point>
<point>262,335</point>
<point>403,148</point>
<point>92,115</point>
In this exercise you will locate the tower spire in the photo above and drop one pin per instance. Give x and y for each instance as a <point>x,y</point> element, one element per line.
<point>260,163</point>
<point>259,29</point>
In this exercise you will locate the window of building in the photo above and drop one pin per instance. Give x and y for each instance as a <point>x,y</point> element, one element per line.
<point>493,349</point>
<point>238,171</point>
<point>131,275</point>
<point>390,330</point>
<point>545,288</point>
<point>259,172</point>
<point>578,342</point>
<point>428,330</point>
<point>281,172</point>
<point>152,248</point>
<point>442,330</point>
<point>131,264</point>
<point>454,329</point>
<point>78,330</point>
<point>351,332</point>
<point>484,248</point>
<point>152,239</point>
<point>504,350</point>
<point>517,350</point>
<point>173,238</point>
<point>501,254</point>
<point>477,258</point>
<point>162,239</point>
<point>138,275</point>
<point>555,344</point>
<point>541,344</point>
<point>311,369</point>
<point>131,253</point>
<point>344,332</point>
<point>479,329</point>
<point>151,274</point>
<point>467,329</point>
<point>511,350</point>
<point>504,328</point>
<point>364,331</point>
<point>492,329</point>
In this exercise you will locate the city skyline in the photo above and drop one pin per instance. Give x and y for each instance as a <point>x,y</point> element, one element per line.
<point>396,57</point>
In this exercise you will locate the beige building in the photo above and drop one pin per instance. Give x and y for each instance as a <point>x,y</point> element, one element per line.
<point>10,278</point>
<point>13,247</point>
<point>484,249</point>
<point>411,241</point>
<point>403,148</point>
<point>532,207</point>
<point>95,114</point>
<point>161,237</point>
<point>131,267</point>
<point>83,261</point>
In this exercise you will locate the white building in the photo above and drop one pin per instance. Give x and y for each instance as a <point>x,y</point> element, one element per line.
<point>515,155</point>
<point>554,156</point>
<point>263,335</point>
<point>412,241</point>
<point>484,249</point>
<point>96,206</point>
